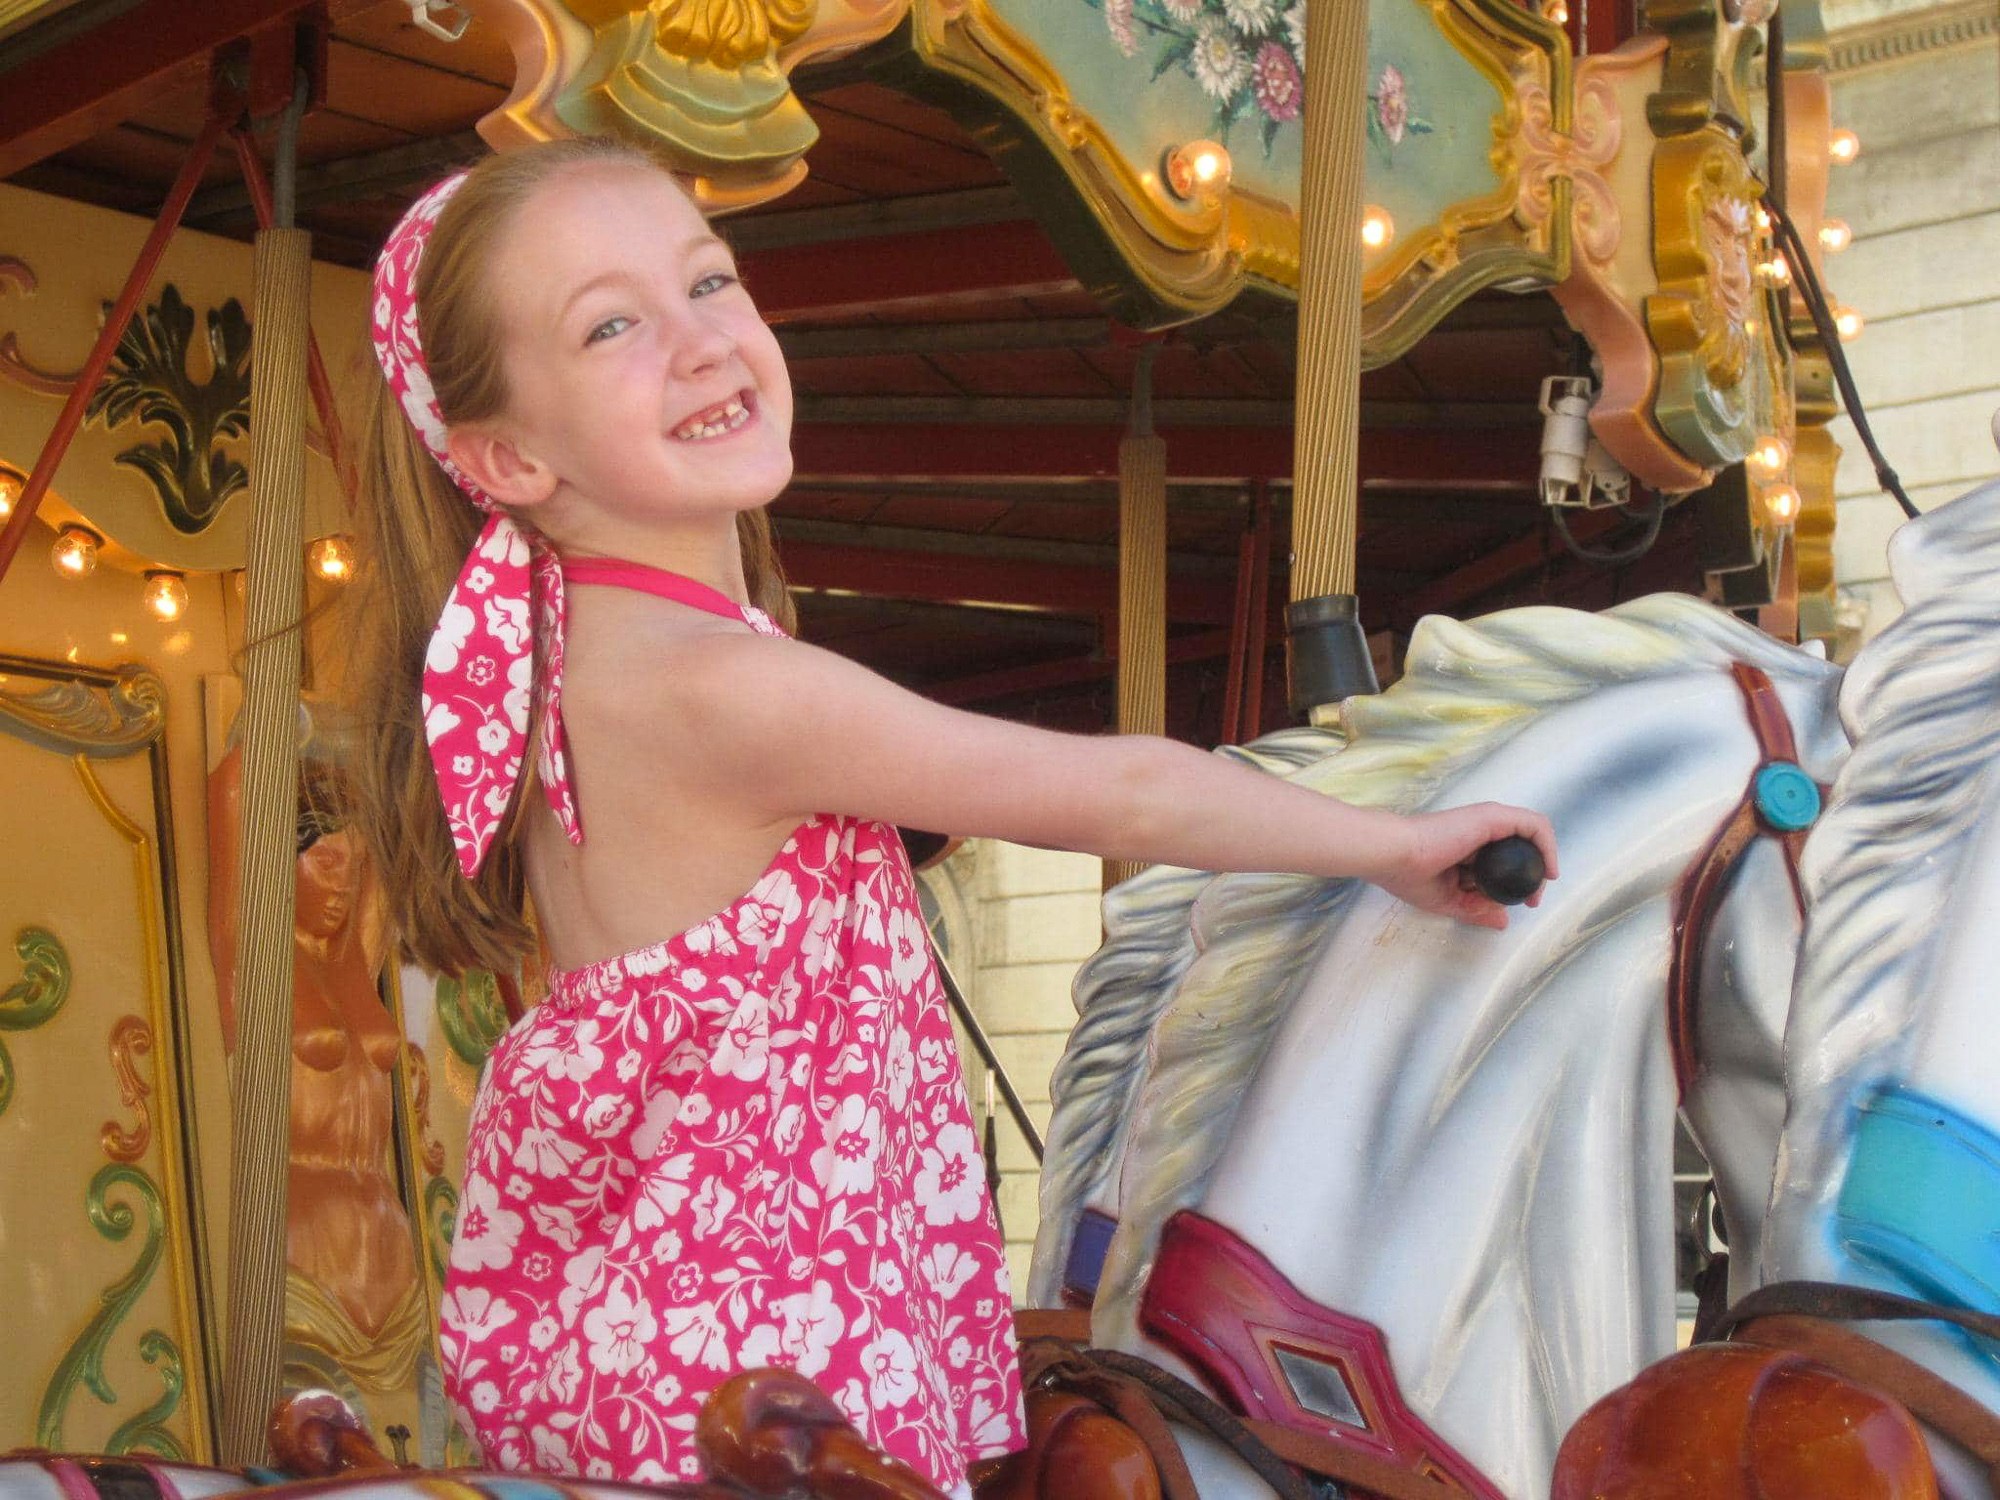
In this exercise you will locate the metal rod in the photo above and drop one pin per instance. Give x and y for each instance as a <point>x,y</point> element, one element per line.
<point>56,445</point>
<point>976,1034</point>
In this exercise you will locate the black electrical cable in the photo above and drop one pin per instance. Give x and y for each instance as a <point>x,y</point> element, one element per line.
<point>1615,557</point>
<point>1814,297</point>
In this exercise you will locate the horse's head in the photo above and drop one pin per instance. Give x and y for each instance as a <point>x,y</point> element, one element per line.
<point>1464,1137</point>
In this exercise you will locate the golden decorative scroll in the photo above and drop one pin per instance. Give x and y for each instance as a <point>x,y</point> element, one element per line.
<point>704,82</point>
<point>17,275</point>
<point>131,1038</point>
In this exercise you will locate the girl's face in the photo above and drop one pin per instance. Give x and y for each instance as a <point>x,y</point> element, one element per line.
<point>640,378</point>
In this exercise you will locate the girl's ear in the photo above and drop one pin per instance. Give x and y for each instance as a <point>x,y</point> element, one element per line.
<point>500,466</point>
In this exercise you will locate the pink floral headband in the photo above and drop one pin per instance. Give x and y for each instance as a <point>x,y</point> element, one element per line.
<point>479,672</point>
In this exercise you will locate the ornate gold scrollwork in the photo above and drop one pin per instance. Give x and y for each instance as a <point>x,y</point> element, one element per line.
<point>1722,377</point>
<point>1578,156</point>
<point>704,81</point>
<point>1712,46</point>
<point>75,716</point>
<point>15,367</point>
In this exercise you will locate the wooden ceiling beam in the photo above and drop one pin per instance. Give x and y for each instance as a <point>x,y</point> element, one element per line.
<point>1074,671</point>
<point>350,179</point>
<point>985,262</point>
<point>935,450</point>
<point>934,541</point>
<point>90,81</point>
<point>869,340</point>
<point>1170,413</point>
<point>919,213</point>
<point>1052,588</point>
<point>1500,567</point>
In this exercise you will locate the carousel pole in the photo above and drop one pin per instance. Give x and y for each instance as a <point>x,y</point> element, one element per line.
<point>261,1093</point>
<point>1327,653</point>
<point>1142,576</point>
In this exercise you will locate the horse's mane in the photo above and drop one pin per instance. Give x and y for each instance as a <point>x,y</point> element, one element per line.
<point>1467,688</point>
<point>1119,993</point>
<point>1921,703</point>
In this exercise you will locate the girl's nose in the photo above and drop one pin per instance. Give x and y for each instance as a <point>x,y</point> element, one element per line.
<point>701,344</point>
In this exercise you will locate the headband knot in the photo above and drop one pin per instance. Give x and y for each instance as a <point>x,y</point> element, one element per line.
<point>506,605</point>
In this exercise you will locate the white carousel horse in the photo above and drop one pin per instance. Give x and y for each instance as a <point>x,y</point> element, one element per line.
<point>1888,1174</point>
<point>1460,1138</point>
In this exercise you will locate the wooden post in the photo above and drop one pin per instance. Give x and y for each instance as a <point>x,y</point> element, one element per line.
<point>1142,578</point>
<point>261,1085</point>
<point>1325,633</point>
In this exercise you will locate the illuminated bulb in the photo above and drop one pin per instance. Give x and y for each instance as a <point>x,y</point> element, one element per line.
<point>1782,504</point>
<point>74,554</point>
<point>1843,146</point>
<point>1767,460</point>
<point>11,485</point>
<point>1763,219</point>
<point>1377,228</point>
<point>166,594</point>
<point>1775,272</point>
<point>1848,324</point>
<point>1197,167</point>
<point>1835,236</point>
<point>1556,12</point>
<point>332,557</point>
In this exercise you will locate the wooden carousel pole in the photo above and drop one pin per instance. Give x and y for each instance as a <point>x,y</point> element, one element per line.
<point>261,1088</point>
<point>1327,654</point>
<point>1142,576</point>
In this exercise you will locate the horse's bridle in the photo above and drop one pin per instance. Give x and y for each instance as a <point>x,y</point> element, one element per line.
<point>1780,802</point>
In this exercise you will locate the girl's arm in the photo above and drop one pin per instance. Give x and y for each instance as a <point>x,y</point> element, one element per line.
<point>787,730</point>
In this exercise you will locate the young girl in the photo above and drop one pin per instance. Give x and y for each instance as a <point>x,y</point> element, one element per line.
<point>747,1143</point>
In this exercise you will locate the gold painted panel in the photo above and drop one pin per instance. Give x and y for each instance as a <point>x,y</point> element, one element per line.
<point>60,262</point>
<point>100,1257</point>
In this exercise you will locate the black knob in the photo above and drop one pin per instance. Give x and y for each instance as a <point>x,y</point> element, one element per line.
<point>1508,870</point>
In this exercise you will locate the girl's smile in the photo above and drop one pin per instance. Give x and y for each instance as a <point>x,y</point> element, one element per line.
<point>647,402</point>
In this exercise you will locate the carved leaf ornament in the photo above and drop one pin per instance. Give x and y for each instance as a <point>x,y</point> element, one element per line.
<point>149,382</point>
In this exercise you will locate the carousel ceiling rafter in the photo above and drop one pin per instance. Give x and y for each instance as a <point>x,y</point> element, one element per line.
<point>99,78</point>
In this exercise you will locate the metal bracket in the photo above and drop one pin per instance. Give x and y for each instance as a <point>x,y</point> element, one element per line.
<point>444,19</point>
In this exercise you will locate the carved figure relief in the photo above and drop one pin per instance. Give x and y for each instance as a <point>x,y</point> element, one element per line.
<point>353,1295</point>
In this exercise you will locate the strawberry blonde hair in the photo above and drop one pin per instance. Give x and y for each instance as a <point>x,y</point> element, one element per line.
<point>416,529</point>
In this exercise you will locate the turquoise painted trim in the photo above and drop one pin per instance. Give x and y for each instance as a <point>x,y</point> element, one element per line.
<point>1921,1200</point>
<point>1787,798</point>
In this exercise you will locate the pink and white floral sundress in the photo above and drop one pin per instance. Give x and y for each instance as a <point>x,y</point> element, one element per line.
<point>746,1145</point>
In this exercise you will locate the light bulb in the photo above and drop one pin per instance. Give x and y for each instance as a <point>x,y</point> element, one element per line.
<point>1843,146</point>
<point>1768,458</point>
<point>1775,271</point>
<point>74,554</point>
<point>166,593</point>
<point>1555,12</point>
<point>11,485</point>
<point>1377,228</point>
<point>1782,504</point>
<point>1763,216</point>
<point>1835,236</point>
<point>332,557</point>
<point>1848,324</point>
<point>1197,167</point>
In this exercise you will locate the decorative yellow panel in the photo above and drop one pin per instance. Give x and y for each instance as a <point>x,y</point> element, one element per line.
<point>160,465</point>
<point>100,1261</point>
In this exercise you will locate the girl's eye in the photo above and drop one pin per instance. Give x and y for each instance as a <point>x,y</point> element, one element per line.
<point>609,328</point>
<point>715,281</point>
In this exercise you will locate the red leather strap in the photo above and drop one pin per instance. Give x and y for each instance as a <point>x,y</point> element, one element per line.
<point>1226,1310</point>
<point>1701,889</point>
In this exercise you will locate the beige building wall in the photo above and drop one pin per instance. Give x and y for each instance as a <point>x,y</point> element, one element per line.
<point>1920,85</point>
<point>1017,924</point>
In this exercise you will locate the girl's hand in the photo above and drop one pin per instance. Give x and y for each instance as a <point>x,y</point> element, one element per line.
<point>1432,872</point>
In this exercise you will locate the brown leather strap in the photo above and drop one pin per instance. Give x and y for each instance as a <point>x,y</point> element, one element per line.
<point>1928,1397</point>
<point>1356,1470</point>
<point>1834,1302</point>
<point>1070,1324</point>
<point>1143,1396</point>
